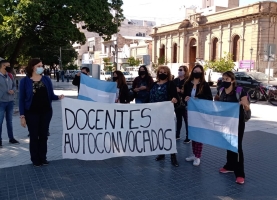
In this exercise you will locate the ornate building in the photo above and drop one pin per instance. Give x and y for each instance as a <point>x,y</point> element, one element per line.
<point>208,36</point>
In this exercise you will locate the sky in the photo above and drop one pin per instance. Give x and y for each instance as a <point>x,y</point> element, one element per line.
<point>162,11</point>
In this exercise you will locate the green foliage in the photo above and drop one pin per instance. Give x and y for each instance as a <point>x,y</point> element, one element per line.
<point>133,62</point>
<point>38,28</point>
<point>70,67</point>
<point>223,64</point>
<point>108,65</point>
<point>162,61</point>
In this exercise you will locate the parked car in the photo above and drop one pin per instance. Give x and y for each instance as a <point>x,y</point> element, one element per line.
<point>105,76</point>
<point>129,77</point>
<point>212,77</point>
<point>249,80</point>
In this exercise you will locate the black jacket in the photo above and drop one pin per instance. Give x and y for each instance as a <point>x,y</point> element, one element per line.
<point>76,81</point>
<point>124,94</point>
<point>205,94</point>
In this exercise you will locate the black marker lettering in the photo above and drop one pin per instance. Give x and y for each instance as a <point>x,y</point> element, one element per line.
<point>143,116</point>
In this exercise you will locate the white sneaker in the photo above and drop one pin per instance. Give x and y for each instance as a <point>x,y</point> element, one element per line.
<point>191,158</point>
<point>196,162</point>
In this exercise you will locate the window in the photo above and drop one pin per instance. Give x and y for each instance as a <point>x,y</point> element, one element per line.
<point>174,59</point>
<point>215,49</point>
<point>236,48</point>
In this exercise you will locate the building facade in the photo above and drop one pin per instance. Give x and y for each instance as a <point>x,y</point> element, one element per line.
<point>208,36</point>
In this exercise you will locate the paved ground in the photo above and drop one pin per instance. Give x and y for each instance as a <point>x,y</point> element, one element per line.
<point>140,177</point>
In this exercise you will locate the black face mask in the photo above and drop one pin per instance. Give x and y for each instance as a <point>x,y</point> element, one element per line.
<point>84,73</point>
<point>226,84</point>
<point>141,73</point>
<point>8,69</point>
<point>163,76</point>
<point>197,75</point>
<point>115,79</point>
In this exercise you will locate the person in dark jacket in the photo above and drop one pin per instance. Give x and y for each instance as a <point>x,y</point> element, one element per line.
<point>180,111</point>
<point>77,79</point>
<point>142,85</point>
<point>197,87</point>
<point>35,107</point>
<point>164,90</point>
<point>122,94</point>
<point>58,75</point>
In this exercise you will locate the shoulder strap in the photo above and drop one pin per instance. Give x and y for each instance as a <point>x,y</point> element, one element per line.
<point>220,91</point>
<point>10,75</point>
<point>238,93</point>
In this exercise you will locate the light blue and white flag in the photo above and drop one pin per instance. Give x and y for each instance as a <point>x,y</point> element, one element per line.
<point>92,89</point>
<point>214,123</point>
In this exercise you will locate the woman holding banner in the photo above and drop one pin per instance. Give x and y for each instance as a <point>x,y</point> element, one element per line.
<point>229,93</point>
<point>122,94</point>
<point>142,84</point>
<point>35,98</point>
<point>164,90</point>
<point>197,87</point>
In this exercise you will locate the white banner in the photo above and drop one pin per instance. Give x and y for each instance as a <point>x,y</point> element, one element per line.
<point>97,131</point>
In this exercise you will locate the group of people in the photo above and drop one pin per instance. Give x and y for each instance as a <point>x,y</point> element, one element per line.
<point>36,95</point>
<point>179,91</point>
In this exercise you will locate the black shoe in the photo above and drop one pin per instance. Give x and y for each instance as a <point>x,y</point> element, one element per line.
<point>1,144</point>
<point>186,141</point>
<point>45,162</point>
<point>37,164</point>
<point>160,157</point>
<point>174,161</point>
<point>14,141</point>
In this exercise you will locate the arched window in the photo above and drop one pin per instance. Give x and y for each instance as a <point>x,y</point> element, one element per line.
<point>174,58</point>
<point>236,48</point>
<point>215,49</point>
<point>162,51</point>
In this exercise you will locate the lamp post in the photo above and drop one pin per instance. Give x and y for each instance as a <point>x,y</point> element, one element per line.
<point>251,51</point>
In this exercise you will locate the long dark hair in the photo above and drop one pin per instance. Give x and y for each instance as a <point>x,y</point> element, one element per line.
<point>202,81</point>
<point>145,69</point>
<point>120,79</point>
<point>231,75</point>
<point>30,67</point>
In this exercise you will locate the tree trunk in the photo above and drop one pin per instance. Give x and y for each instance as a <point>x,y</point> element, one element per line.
<point>16,51</point>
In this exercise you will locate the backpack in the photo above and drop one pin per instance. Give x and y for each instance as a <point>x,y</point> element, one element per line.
<point>247,113</point>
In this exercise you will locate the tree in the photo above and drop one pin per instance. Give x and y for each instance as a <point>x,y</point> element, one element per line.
<point>26,25</point>
<point>223,64</point>
<point>108,65</point>
<point>133,62</point>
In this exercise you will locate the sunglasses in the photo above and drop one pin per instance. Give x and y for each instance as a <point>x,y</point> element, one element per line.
<point>180,70</point>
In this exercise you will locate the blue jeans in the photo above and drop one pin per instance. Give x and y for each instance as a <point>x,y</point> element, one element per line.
<point>6,108</point>
<point>138,101</point>
<point>62,76</point>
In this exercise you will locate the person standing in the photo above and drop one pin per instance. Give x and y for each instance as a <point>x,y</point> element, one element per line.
<point>77,79</point>
<point>141,85</point>
<point>164,90</point>
<point>235,161</point>
<point>67,75</point>
<point>58,75</point>
<point>7,92</point>
<point>122,94</point>
<point>35,107</point>
<point>62,75</point>
<point>180,110</point>
<point>197,87</point>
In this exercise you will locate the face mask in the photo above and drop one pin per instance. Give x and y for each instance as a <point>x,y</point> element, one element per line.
<point>8,69</point>
<point>39,70</point>
<point>162,76</point>
<point>115,79</point>
<point>226,84</point>
<point>197,75</point>
<point>84,73</point>
<point>181,73</point>
<point>141,73</point>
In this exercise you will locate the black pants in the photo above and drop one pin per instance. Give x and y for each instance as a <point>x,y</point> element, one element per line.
<point>181,113</point>
<point>235,161</point>
<point>38,125</point>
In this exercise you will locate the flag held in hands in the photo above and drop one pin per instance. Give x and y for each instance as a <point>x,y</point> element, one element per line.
<point>214,123</point>
<point>92,89</point>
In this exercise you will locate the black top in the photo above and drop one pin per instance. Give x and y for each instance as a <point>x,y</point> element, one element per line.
<point>76,81</point>
<point>124,94</point>
<point>205,94</point>
<point>232,97</point>
<point>40,102</point>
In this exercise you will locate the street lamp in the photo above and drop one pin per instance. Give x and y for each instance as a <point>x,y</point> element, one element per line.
<point>251,51</point>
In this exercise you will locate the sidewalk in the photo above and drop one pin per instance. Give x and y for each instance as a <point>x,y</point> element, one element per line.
<point>139,177</point>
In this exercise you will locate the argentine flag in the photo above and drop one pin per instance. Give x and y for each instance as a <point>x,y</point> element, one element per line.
<point>92,89</point>
<point>214,123</point>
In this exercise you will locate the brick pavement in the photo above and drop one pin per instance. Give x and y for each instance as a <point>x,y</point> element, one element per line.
<point>140,177</point>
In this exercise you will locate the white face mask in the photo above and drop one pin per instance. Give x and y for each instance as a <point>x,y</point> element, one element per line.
<point>181,73</point>
<point>39,70</point>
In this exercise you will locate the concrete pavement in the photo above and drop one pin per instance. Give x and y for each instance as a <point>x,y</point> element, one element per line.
<point>139,177</point>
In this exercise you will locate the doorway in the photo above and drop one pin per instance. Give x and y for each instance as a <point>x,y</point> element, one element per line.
<point>192,53</point>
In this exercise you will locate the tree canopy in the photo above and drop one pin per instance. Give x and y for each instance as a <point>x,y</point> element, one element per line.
<point>38,28</point>
<point>222,64</point>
